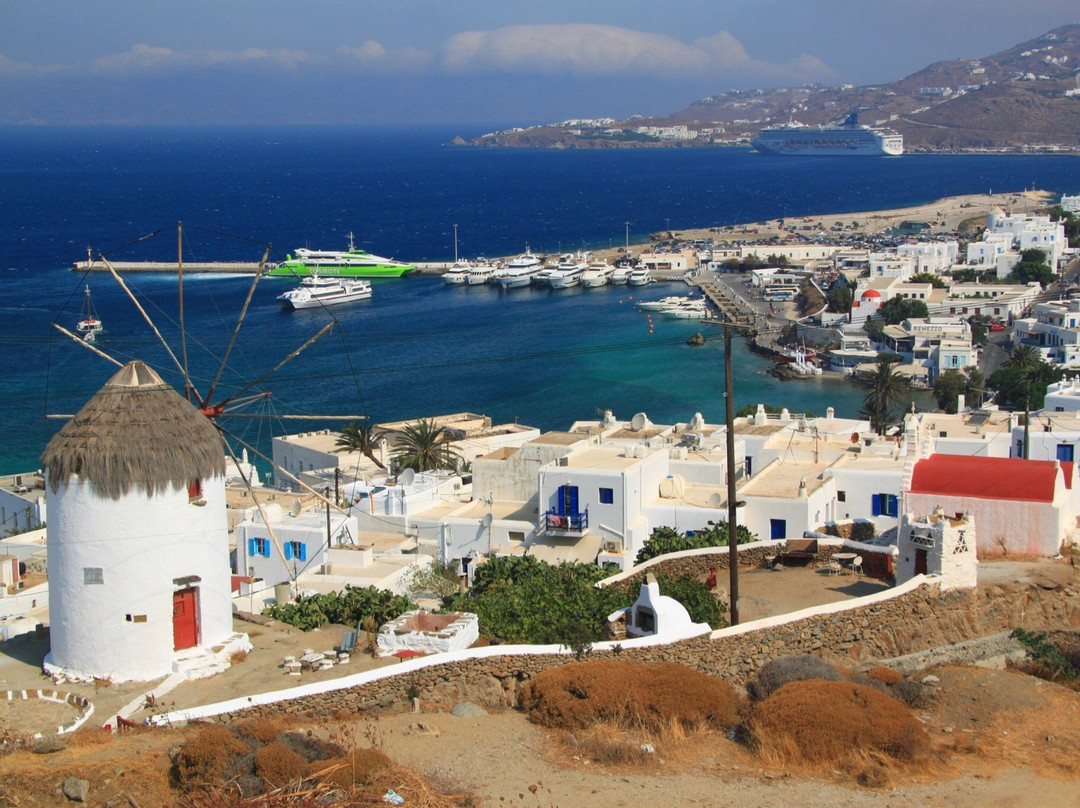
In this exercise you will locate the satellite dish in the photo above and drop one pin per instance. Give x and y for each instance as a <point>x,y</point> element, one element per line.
<point>854,437</point>
<point>295,507</point>
<point>487,520</point>
<point>638,421</point>
<point>407,477</point>
<point>715,500</point>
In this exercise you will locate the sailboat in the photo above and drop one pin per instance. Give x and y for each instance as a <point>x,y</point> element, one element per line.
<point>90,325</point>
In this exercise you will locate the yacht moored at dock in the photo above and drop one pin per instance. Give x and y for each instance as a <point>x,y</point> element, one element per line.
<point>598,274</point>
<point>481,272</point>
<point>639,276</point>
<point>457,274</point>
<point>314,292</point>
<point>351,263</point>
<point>569,270</point>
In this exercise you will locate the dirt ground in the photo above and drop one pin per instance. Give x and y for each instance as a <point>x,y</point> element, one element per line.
<point>1000,738</point>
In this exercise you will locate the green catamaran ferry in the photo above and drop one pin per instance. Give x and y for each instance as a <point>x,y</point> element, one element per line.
<point>352,263</point>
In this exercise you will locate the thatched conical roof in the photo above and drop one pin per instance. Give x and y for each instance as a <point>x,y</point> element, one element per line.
<point>135,433</point>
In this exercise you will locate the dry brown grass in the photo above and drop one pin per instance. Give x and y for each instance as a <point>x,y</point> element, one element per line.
<point>585,694</point>
<point>205,758</point>
<point>358,768</point>
<point>886,675</point>
<point>278,765</point>
<point>265,729</point>
<point>817,723</point>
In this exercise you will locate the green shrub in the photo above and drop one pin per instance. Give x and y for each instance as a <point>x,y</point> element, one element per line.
<point>350,607</point>
<point>666,540</point>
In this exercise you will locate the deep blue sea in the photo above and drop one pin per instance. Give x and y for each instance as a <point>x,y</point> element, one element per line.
<point>417,348</point>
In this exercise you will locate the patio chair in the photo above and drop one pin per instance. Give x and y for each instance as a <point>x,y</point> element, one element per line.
<point>856,565</point>
<point>833,567</point>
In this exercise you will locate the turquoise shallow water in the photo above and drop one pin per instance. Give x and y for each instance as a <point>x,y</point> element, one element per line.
<point>417,348</point>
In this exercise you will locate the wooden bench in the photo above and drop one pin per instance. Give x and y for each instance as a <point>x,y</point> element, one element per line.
<point>800,550</point>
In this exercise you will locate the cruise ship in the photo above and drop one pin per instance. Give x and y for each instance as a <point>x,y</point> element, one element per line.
<point>848,139</point>
<point>352,263</point>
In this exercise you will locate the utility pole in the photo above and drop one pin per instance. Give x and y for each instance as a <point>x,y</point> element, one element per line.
<point>326,493</point>
<point>732,505</point>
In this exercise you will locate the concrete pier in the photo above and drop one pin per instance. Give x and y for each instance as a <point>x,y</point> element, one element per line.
<point>235,267</point>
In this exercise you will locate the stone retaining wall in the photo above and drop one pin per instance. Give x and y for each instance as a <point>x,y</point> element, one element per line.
<point>920,619</point>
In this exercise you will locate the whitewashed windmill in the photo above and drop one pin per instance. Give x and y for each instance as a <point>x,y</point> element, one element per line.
<point>138,545</point>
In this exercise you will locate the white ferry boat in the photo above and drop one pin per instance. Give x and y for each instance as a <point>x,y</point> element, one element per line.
<point>847,139</point>
<point>315,291</point>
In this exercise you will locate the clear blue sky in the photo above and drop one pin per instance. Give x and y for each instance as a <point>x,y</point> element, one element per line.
<point>440,61</point>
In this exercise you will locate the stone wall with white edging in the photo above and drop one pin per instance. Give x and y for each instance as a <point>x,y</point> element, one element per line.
<point>84,706</point>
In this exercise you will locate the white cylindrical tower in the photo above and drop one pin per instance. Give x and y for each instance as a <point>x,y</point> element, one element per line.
<point>138,549</point>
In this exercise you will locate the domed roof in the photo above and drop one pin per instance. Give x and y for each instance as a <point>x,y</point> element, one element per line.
<point>136,432</point>
<point>870,293</point>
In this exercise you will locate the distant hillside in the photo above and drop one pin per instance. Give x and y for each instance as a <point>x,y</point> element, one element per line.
<point>1024,98</point>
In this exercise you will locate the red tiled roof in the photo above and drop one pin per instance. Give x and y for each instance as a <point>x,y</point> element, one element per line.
<point>871,293</point>
<point>986,477</point>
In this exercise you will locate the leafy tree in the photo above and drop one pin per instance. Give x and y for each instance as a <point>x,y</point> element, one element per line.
<point>980,329</point>
<point>702,605</point>
<point>436,580</point>
<point>360,437</point>
<point>885,390</point>
<point>874,328</point>
<point>975,387</point>
<point>1033,267</point>
<point>664,540</point>
<point>840,296</point>
<point>896,309</point>
<point>947,388</point>
<point>1022,379</point>
<point>936,281</point>
<point>423,446</point>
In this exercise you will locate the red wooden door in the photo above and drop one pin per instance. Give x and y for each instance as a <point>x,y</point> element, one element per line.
<point>920,562</point>
<point>185,620</point>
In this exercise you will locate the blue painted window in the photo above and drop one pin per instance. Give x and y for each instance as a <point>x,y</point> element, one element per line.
<point>295,549</point>
<point>1065,452</point>
<point>884,505</point>
<point>607,495</point>
<point>259,547</point>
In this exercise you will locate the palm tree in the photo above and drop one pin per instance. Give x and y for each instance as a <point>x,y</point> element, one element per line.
<point>423,446</point>
<point>1033,370</point>
<point>885,389</point>
<point>360,437</point>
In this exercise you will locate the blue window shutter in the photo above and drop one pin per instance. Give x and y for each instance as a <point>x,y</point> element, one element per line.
<point>562,499</point>
<point>252,551</point>
<point>573,499</point>
<point>303,552</point>
<point>876,505</point>
<point>288,550</point>
<point>266,548</point>
<point>891,505</point>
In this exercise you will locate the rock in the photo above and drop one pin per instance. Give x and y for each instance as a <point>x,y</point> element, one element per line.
<point>47,746</point>
<point>931,680</point>
<point>467,709</point>
<point>76,789</point>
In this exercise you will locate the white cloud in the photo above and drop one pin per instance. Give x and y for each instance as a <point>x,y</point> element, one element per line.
<point>598,50</point>
<point>373,57</point>
<point>9,67</point>
<point>146,57</point>
<point>608,51</point>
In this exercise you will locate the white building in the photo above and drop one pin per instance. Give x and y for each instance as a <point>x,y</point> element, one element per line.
<point>1063,396</point>
<point>1054,330</point>
<point>1022,507</point>
<point>1070,204</point>
<point>138,546</point>
<point>22,502</point>
<point>1024,232</point>
<point>938,545</point>
<point>934,257</point>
